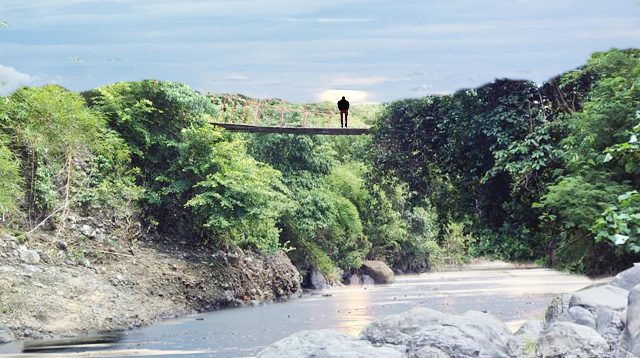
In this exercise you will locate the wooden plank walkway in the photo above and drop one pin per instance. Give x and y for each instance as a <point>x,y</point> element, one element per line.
<point>292,130</point>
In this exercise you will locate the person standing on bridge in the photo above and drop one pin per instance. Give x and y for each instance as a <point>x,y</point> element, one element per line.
<point>343,107</point>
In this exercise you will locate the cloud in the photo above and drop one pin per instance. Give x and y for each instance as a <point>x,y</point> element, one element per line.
<point>358,81</point>
<point>236,78</point>
<point>422,88</point>
<point>333,95</point>
<point>11,79</point>
<point>328,19</point>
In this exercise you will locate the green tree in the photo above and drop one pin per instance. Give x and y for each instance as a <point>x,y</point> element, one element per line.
<point>11,183</point>
<point>60,143</point>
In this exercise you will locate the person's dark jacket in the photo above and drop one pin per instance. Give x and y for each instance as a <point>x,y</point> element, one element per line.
<point>343,105</point>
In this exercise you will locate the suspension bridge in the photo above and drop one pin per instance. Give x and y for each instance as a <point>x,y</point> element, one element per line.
<point>241,114</point>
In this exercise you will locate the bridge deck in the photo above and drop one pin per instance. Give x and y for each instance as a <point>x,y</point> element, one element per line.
<point>292,130</point>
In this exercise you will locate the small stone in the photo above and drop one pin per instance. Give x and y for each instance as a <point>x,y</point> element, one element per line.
<point>5,334</point>
<point>233,258</point>
<point>62,245</point>
<point>30,270</point>
<point>88,231</point>
<point>28,256</point>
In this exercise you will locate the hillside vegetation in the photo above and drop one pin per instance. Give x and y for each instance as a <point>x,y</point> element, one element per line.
<point>510,169</point>
<point>549,171</point>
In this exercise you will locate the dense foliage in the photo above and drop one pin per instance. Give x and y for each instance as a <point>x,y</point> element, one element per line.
<point>535,171</point>
<point>511,169</point>
<point>68,157</point>
<point>198,181</point>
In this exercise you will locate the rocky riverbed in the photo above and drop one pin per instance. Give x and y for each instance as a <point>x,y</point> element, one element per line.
<point>602,320</point>
<point>45,292</point>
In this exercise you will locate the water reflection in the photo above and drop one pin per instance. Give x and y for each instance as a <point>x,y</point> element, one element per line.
<point>84,344</point>
<point>354,310</point>
<point>514,295</point>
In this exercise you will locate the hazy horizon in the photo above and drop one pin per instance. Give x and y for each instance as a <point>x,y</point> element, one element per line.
<point>303,51</point>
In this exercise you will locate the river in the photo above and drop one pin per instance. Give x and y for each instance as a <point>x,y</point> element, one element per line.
<point>514,294</point>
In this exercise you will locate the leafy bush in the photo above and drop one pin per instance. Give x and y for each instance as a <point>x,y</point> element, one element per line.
<point>11,183</point>
<point>238,200</point>
<point>331,222</point>
<point>61,143</point>
<point>620,225</point>
<point>486,156</point>
<point>198,181</point>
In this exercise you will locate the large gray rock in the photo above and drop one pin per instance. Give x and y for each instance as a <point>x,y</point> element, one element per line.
<point>629,278</point>
<point>474,334</point>
<point>367,280</point>
<point>317,280</point>
<point>326,344</point>
<point>378,270</point>
<point>570,340</point>
<point>630,342</point>
<point>598,307</point>
<point>353,279</point>
<point>600,296</point>
<point>525,342</point>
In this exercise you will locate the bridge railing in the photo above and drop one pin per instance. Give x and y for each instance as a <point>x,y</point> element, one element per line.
<point>241,110</point>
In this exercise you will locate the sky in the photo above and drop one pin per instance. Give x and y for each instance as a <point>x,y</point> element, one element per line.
<point>306,51</point>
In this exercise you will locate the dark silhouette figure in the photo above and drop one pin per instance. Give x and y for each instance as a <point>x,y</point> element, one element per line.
<point>343,106</point>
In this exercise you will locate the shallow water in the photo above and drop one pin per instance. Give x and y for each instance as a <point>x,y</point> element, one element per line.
<point>513,294</point>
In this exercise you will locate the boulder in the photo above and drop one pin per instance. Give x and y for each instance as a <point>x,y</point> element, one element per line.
<point>316,279</point>
<point>474,334</point>
<point>600,296</point>
<point>524,342</point>
<point>629,278</point>
<point>630,342</point>
<point>367,280</point>
<point>353,279</point>
<point>378,270</point>
<point>571,340</point>
<point>326,344</point>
